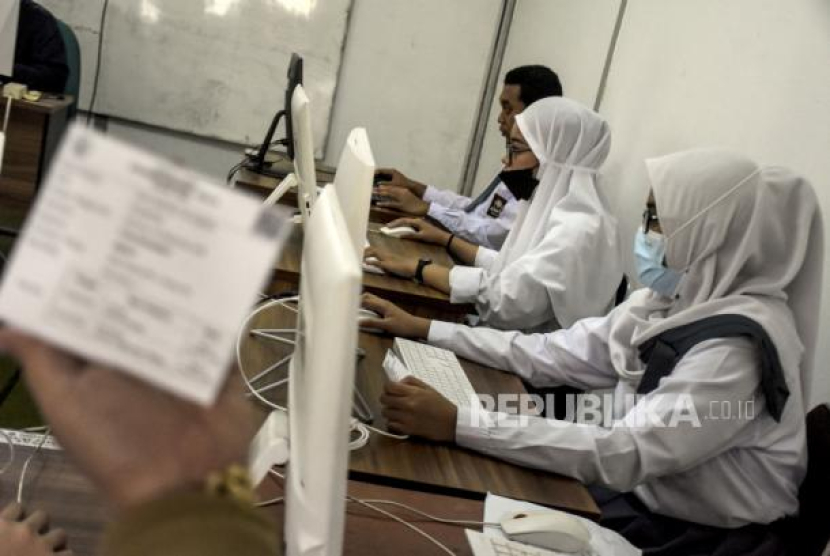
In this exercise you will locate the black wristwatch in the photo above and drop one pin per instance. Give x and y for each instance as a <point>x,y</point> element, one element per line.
<point>419,271</point>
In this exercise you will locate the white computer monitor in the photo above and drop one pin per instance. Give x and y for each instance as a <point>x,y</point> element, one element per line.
<point>303,152</point>
<point>9,16</point>
<point>353,184</point>
<point>322,375</point>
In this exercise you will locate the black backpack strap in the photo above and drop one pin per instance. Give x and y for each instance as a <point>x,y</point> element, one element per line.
<point>662,353</point>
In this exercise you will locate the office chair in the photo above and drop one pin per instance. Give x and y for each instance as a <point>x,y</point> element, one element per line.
<point>73,60</point>
<point>809,532</point>
<point>73,87</point>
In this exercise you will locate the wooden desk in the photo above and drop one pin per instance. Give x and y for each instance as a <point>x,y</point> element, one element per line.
<point>421,465</point>
<point>54,485</point>
<point>413,297</point>
<point>263,185</point>
<point>368,532</point>
<point>35,128</point>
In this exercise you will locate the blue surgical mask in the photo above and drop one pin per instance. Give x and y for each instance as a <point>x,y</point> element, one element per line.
<point>649,254</point>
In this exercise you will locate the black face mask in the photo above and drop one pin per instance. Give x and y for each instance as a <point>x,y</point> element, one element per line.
<point>521,183</point>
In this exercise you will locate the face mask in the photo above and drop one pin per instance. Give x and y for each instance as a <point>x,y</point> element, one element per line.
<point>521,183</point>
<point>649,254</point>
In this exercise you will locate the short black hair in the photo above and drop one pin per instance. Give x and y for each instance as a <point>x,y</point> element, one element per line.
<point>535,82</point>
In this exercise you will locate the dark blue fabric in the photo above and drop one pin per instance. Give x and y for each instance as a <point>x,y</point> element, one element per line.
<point>662,353</point>
<point>484,195</point>
<point>658,535</point>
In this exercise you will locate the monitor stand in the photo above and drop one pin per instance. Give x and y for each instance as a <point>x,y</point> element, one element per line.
<point>361,406</point>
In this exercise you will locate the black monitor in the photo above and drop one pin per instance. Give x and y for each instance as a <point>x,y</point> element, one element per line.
<point>295,77</point>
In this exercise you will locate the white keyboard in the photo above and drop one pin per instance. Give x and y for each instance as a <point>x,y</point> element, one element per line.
<point>484,545</point>
<point>437,367</point>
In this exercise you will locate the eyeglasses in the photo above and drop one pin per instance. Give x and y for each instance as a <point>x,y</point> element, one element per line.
<point>513,150</point>
<point>650,219</point>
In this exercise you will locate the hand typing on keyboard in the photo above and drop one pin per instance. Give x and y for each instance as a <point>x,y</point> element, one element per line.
<point>412,407</point>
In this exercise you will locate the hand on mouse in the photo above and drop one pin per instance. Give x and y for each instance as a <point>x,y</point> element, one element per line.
<point>393,319</point>
<point>135,442</point>
<point>399,180</point>
<point>414,408</point>
<point>424,231</point>
<point>404,267</point>
<point>29,535</point>
<point>402,199</point>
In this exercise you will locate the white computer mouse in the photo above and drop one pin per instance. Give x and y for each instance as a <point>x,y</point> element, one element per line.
<point>364,314</point>
<point>370,266</point>
<point>400,231</point>
<point>367,314</point>
<point>550,529</point>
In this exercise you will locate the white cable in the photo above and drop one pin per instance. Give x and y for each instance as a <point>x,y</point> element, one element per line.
<point>239,336</point>
<point>362,430</point>
<point>369,503</point>
<point>272,368</point>
<point>432,517</point>
<point>272,337</point>
<point>8,113</point>
<point>10,443</point>
<point>362,435</point>
<point>272,386</point>
<point>26,465</point>
<point>270,502</point>
<point>386,433</point>
<point>390,515</point>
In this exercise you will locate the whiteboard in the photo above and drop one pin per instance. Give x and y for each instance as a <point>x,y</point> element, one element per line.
<point>214,68</point>
<point>413,75</point>
<point>552,33</point>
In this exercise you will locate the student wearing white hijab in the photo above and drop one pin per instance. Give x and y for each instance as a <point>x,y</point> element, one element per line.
<point>725,244</point>
<point>486,219</point>
<point>560,261</point>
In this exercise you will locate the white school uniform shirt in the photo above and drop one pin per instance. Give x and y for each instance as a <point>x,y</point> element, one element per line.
<point>561,260</point>
<point>487,224</point>
<point>728,225</point>
<point>727,473</point>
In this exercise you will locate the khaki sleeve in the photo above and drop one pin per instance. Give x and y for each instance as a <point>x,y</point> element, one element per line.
<point>192,524</point>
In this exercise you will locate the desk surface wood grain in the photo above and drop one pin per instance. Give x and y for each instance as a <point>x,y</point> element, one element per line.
<point>418,464</point>
<point>263,185</point>
<point>414,297</point>
<point>73,504</point>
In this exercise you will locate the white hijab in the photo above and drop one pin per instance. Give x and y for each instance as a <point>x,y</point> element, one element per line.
<point>568,211</point>
<point>749,241</point>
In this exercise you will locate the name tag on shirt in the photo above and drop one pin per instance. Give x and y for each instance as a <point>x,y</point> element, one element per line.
<point>496,206</point>
<point>134,262</point>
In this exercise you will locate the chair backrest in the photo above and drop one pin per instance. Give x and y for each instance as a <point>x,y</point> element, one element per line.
<point>73,60</point>
<point>812,533</point>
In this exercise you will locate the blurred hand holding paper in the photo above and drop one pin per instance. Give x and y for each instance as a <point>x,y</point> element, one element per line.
<point>132,261</point>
